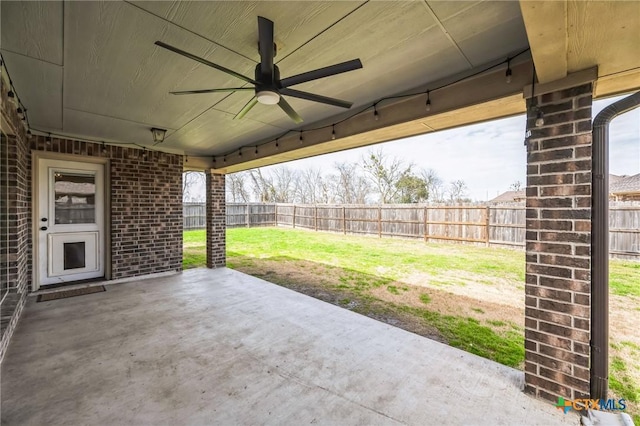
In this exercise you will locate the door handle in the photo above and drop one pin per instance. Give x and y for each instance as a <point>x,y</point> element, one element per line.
<point>43,228</point>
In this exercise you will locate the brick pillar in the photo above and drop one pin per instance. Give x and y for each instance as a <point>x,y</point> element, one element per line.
<point>558,238</point>
<point>216,221</point>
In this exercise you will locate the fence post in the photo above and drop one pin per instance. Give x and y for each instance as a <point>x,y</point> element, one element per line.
<point>248,208</point>
<point>294,215</point>
<point>276,215</point>
<point>379,221</point>
<point>426,224</point>
<point>315,218</point>
<point>487,214</point>
<point>344,221</point>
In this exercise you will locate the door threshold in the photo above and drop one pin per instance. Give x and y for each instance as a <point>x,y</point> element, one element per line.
<point>99,281</point>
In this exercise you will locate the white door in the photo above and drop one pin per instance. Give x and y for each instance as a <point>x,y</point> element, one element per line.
<point>70,222</point>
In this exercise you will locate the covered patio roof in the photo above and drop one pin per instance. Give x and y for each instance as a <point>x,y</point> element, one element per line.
<point>91,70</point>
<point>217,346</point>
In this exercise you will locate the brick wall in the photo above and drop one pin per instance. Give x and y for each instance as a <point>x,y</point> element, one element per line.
<point>15,219</point>
<point>146,205</point>
<point>216,221</point>
<point>558,251</point>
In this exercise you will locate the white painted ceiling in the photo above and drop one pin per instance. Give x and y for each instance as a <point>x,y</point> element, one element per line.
<point>91,69</point>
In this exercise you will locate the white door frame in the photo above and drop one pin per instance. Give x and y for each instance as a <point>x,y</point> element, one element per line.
<point>105,248</point>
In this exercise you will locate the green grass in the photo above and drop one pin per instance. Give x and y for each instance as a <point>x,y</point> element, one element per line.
<point>425,298</point>
<point>194,253</point>
<point>624,278</point>
<point>390,258</point>
<point>360,264</point>
<point>397,257</point>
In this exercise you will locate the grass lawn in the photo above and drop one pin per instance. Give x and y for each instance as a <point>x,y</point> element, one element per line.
<point>467,296</point>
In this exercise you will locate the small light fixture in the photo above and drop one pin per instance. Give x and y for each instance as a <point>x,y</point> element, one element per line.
<point>48,139</point>
<point>104,148</point>
<point>428,103</point>
<point>240,152</point>
<point>333,132</point>
<point>256,152</point>
<point>144,154</point>
<point>301,138</point>
<point>268,97</point>
<point>224,159</point>
<point>508,74</point>
<point>539,118</point>
<point>158,134</point>
<point>277,144</point>
<point>376,116</point>
<point>186,159</point>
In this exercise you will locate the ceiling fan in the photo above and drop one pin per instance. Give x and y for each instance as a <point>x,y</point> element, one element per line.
<point>269,88</point>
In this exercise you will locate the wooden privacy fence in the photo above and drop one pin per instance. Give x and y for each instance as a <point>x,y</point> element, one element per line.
<point>498,225</point>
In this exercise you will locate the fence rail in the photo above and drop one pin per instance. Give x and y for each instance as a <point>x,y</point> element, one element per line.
<point>501,225</point>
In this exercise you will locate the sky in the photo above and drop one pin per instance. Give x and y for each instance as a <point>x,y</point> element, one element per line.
<point>490,156</point>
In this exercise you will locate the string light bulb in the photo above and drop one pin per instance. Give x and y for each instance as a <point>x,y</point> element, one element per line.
<point>539,118</point>
<point>333,132</point>
<point>104,148</point>
<point>376,116</point>
<point>240,152</point>
<point>48,139</point>
<point>428,103</point>
<point>277,144</point>
<point>144,154</point>
<point>301,138</point>
<point>508,74</point>
<point>256,150</point>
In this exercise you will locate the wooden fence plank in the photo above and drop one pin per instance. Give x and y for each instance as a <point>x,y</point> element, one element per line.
<point>502,225</point>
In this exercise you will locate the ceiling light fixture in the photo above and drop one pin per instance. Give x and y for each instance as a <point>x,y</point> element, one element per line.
<point>268,97</point>
<point>158,134</point>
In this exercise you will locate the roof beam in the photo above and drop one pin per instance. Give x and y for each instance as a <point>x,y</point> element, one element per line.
<point>546,25</point>
<point>483,97</point>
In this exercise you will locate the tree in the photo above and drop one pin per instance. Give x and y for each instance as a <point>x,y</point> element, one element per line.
<point>347,186</point>
<point>385,172</point>
<point>457,191</point>
<point>434,184</point>
<point>516,186</point>
<point>411,189</point>
<point>193,187</point>
<point>236,188</point>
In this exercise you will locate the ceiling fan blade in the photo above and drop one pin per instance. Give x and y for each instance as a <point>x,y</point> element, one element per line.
<point>290,111</point>
<point>195,92</point>
<point>246,108</point>
<point>351,65</point>
<point>267,52</point>
<point>315,98</point>
<point>204,61</point>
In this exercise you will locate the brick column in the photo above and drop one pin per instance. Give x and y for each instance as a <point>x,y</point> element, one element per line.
<point>558,238</point>
<point>216,220</point>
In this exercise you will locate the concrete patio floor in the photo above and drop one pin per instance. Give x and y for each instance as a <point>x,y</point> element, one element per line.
<point>221,347</point>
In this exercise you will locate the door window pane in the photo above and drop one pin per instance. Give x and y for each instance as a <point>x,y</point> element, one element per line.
<point>75,198</point>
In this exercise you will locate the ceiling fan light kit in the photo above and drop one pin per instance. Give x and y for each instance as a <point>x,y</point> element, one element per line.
<point>268,97</point>
<point>268,87</point>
